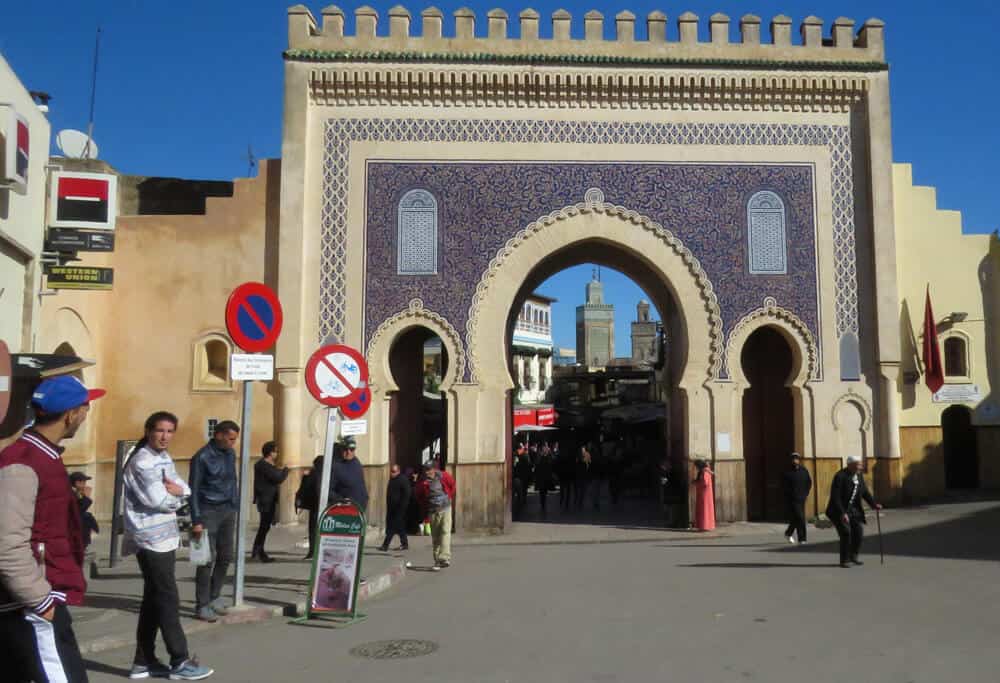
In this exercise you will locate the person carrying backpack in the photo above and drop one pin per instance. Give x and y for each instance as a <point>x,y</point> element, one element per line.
<point>307,498</point>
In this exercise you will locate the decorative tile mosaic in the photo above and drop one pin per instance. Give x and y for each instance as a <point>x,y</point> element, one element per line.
<point>705,205</point>
<point>340,132</point>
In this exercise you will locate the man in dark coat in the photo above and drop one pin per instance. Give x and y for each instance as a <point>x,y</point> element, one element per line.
<point>845,511</point>
<point>267,478</point>
<point>347,478</point>
<point>797,485</point>
<point>397,502</point>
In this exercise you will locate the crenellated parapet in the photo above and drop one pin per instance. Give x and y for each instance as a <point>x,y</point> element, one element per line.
<point>491,38</point>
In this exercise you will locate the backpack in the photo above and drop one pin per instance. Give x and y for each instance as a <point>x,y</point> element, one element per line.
<point>307,497</point>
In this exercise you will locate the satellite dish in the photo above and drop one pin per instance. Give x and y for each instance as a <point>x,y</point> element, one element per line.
<point>73,144</point>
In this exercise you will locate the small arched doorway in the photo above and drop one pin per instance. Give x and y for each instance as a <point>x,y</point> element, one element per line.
<point>768,421</point>
<point>961,462</point>
<point>418,412</point>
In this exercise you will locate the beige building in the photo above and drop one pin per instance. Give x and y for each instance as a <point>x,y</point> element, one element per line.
<point>22,212</point>
<point>428,185</point>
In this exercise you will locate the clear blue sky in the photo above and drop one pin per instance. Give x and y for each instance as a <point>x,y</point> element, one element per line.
<point>186,86</point>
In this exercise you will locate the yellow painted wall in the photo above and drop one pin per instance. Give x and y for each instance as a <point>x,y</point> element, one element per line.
<point>962,271</point>
<point>173,275</point>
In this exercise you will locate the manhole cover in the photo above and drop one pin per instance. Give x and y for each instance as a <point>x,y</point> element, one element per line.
<point>395,649</point>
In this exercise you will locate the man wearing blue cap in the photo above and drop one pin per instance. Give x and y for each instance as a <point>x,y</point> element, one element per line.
<point>41,540</point>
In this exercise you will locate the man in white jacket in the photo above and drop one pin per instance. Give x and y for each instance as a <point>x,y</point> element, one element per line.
<point>153,493</point>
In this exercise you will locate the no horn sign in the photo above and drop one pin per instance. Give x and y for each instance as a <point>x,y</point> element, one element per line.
<point>337,376</point>
<point>253,317</point>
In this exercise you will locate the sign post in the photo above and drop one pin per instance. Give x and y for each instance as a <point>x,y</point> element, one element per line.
<point>253,319</point>
<point>337,377</point>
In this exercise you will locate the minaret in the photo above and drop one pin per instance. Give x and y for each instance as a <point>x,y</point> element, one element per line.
<point>595,326</point>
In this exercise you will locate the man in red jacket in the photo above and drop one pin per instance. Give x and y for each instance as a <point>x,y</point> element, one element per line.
<point>436,493</point>
<point>41,540</point>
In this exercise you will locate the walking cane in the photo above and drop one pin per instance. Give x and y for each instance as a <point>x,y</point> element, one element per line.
<point>878,525</point>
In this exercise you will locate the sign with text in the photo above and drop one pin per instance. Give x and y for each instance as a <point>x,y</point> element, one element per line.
<point>340,541</point>
<point>958,393</point>
<point>251,367</point>
<point>80,277</point>
<point>68,239</point>
<point>353,427</point>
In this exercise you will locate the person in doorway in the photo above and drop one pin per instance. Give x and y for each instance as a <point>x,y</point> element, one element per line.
<point>663,476</point>
<point>565,470</point>
<point>844,510</point>
<point>153,493</point>
<point>41,541</point>
<point>307,498</point>
<point>414,519</point>
<point>214,500</point>
<point>397,503</point>
<point>267,479</point>
<point>543,478</point>
<point>522,478</point>
<point>347,479</point>
<point>797,485</point>
<point>704,512</point>
<point>582,474</point>
<point>436,495</point>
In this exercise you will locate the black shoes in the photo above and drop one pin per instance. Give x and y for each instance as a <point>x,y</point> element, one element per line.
<point>845,565</point>
<point>855,560</point>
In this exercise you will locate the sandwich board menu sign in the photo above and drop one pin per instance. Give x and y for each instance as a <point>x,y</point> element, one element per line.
<point>336,571</point>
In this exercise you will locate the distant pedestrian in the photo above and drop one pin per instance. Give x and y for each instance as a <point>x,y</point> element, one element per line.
<point>543,478</point>
<point>307,498</point>
<point>583,473</point>
<point>436,495</point>
<point>41,542</point>
<point>704,510</point>
<point>797,485</point>
<point>522,479</point>
<point>347,478</point>
<point>153,493</point>
<point>214,499</point>
<point>414,518</point>
<point>87,520</point>
<point>844,510</point>
<point>267,479</point>
<point>565,470</point>
<point>397,504</point>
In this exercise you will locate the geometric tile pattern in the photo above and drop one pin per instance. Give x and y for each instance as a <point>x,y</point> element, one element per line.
<point>341,132</point>
<point>766,234</point>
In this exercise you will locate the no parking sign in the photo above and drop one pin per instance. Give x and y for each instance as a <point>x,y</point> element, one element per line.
<point>253,317</point>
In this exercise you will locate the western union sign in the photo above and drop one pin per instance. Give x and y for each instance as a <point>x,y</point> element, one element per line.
<point>80,277</point>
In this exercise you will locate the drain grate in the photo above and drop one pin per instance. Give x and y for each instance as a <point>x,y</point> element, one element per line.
<point>395,649</point>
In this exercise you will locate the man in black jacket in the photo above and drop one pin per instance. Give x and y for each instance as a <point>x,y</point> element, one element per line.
<point>397,502</point>
<point>347,479</point>
<point>797,483</point>
<point>845,511</point>
<point>267,478</point>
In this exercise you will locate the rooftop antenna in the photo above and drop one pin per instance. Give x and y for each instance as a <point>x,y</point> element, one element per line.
<point>251,161</point>
<point>93,96</point>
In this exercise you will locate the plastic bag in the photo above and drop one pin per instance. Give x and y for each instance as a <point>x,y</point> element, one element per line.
<point>201,551</point>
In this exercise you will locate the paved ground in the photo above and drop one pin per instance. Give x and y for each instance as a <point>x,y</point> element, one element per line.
<point>739,606</point>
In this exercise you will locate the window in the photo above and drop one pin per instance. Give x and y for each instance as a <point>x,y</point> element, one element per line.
<point>956,357</point>
<point>416,248</point>
<point>211,364</point>
<point>766,234</point>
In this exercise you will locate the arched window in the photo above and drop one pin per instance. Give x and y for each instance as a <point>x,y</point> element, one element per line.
<point>956,357</point>
<point>211,364</point>
<point>416,247</point>
<point>766,234</point>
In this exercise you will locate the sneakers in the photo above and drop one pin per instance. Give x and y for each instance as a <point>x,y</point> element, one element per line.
<point>219,607</point>
<point>436,568</point>
<point>856,561</point>
<point>190,670</point>
<point>444,563</point>
<point>206,614</point>
<point>791,539</point>
<point>157,670</point>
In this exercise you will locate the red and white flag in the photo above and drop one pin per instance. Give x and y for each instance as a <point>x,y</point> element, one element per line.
<point>933,370</point>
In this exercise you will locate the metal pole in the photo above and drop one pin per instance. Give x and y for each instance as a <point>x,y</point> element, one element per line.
<point>243,509</point>
<point>332,433</point>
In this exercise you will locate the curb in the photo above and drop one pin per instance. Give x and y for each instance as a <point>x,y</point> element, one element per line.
<point>251,614</point>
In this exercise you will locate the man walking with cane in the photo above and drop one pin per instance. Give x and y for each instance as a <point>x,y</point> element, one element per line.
<point>844,509</point>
